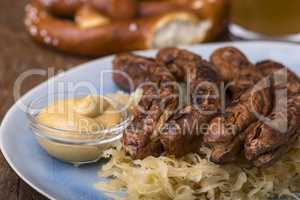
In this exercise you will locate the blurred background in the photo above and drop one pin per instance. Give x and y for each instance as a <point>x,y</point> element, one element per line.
<point>60,35</point>
<point>265,19</point>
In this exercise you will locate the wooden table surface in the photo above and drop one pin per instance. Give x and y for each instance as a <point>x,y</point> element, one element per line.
<point>17,54</point>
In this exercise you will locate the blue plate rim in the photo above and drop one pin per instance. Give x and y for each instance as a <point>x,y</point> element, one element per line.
<point>12,108</point>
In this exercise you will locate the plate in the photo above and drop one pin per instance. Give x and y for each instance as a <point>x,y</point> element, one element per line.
<point>58,180</point>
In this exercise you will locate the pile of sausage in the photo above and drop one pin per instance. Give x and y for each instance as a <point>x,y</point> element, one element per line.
<point>238,109</point>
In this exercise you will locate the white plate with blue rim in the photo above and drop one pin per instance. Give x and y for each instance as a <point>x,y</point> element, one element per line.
<point>58,180</point>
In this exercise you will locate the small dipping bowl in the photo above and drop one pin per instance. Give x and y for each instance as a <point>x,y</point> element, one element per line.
<point>76,147</point>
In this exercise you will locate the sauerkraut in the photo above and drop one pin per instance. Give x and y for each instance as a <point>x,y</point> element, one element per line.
<point>195,177</point>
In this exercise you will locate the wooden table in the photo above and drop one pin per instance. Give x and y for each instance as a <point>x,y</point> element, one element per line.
<point>17,54</point>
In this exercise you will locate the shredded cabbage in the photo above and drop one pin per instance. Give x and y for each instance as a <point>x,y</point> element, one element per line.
<point>194,177</point>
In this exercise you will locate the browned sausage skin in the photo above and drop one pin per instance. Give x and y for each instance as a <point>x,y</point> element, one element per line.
<point>240,130</point>
<point>263,144</point>
<point>138,69</point>
<point>141,138</point>
<point>174,133</point>
<point>225,133</point>
<point>184,129</point>
<point>281,73</point>
<point>229,62</point>
<point>267,140</point>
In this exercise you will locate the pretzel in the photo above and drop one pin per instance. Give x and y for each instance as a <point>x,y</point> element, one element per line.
<point>216,11</point>
<point>99,30</point>
<point>116,9</point>
<point>126,9</point>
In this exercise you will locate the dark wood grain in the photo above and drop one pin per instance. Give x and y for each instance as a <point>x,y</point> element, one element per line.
<point>17,54</point>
